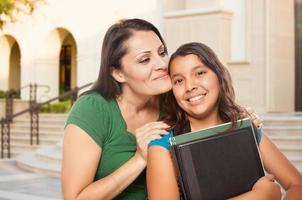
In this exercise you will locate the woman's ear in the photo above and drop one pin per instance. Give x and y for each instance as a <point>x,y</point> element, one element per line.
<point>117,75</point>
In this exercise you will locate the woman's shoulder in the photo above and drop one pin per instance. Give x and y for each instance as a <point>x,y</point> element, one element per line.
<point>93,99</point>
<point>92,96</point>
<point>91,104</point>
<point>92,114</point>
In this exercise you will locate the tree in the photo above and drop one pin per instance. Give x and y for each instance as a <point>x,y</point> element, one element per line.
<point>10,9</point>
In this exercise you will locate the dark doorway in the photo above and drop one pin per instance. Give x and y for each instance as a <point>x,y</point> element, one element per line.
<point>298,53</point>
<point>65,69</point>
<point>14,67</point>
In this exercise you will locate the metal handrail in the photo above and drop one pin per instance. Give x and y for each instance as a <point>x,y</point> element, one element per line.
<point>33,110</point>
<point>9,95</point>
<point>28,85</point>
<point>38,105</point>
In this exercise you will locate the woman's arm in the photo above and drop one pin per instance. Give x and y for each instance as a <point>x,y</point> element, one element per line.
<point>284,172</point>
<point>161,177</point>
<point>81,156</point>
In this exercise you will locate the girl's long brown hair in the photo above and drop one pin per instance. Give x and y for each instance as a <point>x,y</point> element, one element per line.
<point>228,110</point>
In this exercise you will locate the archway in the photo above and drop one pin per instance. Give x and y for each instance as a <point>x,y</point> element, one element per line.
<point>10,67</point>
<point>57,67</point>
<point>67,65</point>
<point>15,68</point>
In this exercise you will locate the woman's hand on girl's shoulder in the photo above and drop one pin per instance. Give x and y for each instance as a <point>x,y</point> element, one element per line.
<point>249,112</point>
<point>145,134</point>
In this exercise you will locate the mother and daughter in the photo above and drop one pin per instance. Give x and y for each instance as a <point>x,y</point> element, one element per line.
<point>105,148</point>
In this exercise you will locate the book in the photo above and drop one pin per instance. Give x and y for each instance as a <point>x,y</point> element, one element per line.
<point>218,162</point>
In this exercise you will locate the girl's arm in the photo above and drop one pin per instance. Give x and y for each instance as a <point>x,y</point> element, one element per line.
<point>277,164</point>
<point>161,177</point>
<point>264,189</point>
<point>162,182</point>
<point>81,156</point>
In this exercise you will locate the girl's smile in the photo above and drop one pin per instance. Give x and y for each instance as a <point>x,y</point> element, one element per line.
<point>195,86</point>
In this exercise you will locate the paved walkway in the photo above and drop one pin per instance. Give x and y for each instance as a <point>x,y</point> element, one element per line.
<point>17,184</point>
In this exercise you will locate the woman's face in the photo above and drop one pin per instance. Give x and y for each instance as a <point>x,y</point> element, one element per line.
<point>195,86</point>
<point>144,67</point>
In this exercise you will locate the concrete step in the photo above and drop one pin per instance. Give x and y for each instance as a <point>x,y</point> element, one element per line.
<point>54,115</point>
<point>286,139</point>
<point>42,120</point>
<point>41,127</point>
<point>283,130</point>
<point>290,150</point>
<point>26,141</point>
<point>46,116</point>
<point>21,148</point>
<point>41,132</point>
<point>297,162</point>
<point>50,154</point>
<point>282,119</point>
<point>18,151</point>
<point>31,162</point>
<point>42,137</point>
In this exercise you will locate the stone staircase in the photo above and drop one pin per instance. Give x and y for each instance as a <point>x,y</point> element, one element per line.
<point>44,160</point>
<point>285,130</point>
<point>50,132</point>
<point>46,157</point>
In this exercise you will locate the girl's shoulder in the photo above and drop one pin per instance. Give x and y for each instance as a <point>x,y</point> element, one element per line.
<point>162,142</point>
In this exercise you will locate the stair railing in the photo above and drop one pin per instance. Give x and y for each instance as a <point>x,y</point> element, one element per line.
<point>12,93</point>
<point>33,110</point>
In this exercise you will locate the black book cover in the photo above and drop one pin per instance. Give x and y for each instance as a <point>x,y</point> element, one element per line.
<point>218,162</point>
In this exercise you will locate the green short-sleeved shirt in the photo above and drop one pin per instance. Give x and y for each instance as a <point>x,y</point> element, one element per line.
<point>102,120</point>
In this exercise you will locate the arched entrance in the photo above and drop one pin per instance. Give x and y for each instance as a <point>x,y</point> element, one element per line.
<point>67,64</point>
<point>15,69</point>
<point>57,67</point>
<point>10,67</point>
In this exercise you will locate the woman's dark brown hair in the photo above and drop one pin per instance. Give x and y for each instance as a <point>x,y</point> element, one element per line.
<point>228,110</point>
<point>113,49</point>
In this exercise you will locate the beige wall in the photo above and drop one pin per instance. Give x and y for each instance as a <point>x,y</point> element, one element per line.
<point>280,55</point>
<point>208,26</point>
<point>249,76</point>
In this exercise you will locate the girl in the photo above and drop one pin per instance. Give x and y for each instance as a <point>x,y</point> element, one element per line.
<point>202,96</point>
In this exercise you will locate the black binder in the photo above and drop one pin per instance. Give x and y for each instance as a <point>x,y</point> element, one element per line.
<point>218,162</point>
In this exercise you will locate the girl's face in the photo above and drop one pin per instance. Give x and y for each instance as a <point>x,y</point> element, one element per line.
<point>144,67</point>
<point>195,86</point>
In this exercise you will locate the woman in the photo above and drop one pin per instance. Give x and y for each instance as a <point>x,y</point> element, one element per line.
<point>100,157</point>
<point>108,129</point>
<point>202,96</point>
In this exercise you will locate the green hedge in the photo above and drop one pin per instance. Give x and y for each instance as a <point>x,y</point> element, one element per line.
<point>60,107</point>
<point>2,94</point>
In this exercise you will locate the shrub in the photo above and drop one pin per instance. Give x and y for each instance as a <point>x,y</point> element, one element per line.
<point>2,94</point>
<point>59,107</point>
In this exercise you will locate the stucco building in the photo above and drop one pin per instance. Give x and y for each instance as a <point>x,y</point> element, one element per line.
<point>259,40</point>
